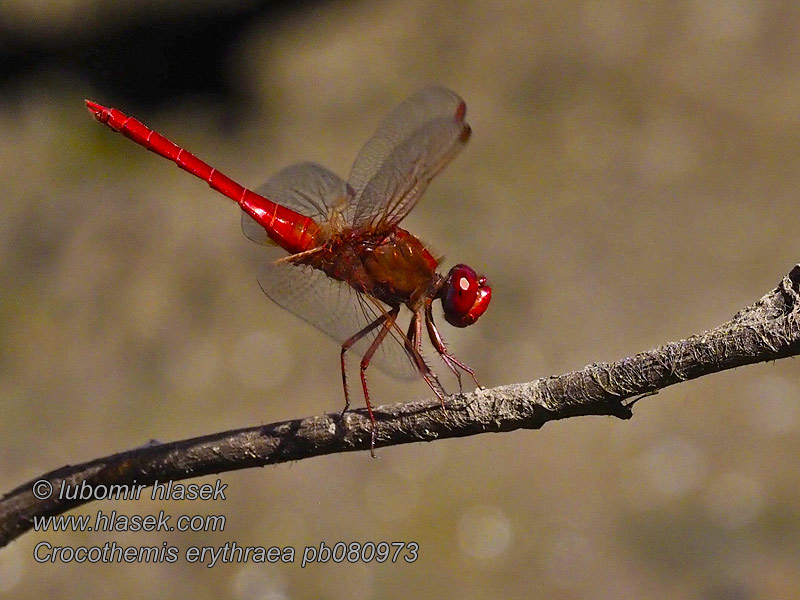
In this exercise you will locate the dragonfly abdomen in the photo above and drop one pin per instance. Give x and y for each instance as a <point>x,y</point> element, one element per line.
<point>290,230</point>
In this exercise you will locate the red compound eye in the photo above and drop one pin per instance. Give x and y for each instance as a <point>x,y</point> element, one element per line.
<point>465,296</point>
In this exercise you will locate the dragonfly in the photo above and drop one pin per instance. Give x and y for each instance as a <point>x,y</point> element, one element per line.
<point>345,264</point>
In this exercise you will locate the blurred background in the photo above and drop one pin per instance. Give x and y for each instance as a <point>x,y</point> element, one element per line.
<point>632,179</point>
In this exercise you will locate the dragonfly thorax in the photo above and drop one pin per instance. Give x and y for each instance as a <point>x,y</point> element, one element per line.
<point>398,266</point>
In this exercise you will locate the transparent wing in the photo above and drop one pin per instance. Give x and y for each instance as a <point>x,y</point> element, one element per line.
<point>335,308</point>
<point>331,305</point>
<point>416,141</point>
<point>307,188</point>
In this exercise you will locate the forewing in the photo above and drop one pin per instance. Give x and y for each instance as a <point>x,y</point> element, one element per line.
<point>410,147</point>
<point>307,188</point>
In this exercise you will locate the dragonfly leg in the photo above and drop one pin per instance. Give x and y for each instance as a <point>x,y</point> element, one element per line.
<point>413,344</point>
<point>438,343</point>
<point>299,257</point>
<point>388,321</point>
<point>349,343</point>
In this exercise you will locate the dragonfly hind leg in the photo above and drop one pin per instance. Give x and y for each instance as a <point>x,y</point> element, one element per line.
<point>349,343</point>
<point>386,321</point>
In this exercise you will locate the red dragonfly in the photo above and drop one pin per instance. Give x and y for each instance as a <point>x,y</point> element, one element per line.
<point>350,266</point>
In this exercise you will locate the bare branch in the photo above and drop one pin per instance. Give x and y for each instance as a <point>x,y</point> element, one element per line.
<point>767,330</point>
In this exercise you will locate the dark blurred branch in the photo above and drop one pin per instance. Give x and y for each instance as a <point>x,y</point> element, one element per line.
<point>767,330</point>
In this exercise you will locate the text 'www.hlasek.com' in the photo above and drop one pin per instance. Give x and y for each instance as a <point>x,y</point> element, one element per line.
<point>113,521</point>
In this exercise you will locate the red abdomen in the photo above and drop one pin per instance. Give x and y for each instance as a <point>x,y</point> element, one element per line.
<point>290,230</point>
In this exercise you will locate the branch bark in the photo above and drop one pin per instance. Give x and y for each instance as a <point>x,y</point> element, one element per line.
<point>767,330</point>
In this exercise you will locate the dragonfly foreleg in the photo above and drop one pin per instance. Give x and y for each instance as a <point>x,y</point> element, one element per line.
<point>438,343</point>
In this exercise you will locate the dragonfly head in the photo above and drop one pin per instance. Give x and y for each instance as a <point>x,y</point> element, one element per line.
<point>465,296</point>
